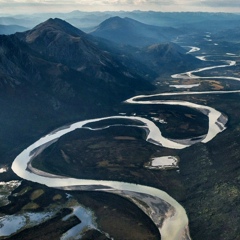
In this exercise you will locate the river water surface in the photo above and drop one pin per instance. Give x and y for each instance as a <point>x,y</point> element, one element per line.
<point>166,213</point>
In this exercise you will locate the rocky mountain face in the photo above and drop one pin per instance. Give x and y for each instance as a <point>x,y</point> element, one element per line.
<point>41,90</point>
<point>128,31</point>
<point>56,40</point>
<point>146,49</point>
<point>55,73</point>
<point>157,60</point>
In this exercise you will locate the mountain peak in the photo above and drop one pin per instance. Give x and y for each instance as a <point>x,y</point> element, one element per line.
<point>56,39</point>
<point>131,32</point>
<point>121,23</point>
<point>48,30</point>
<point>57,24</point>
<point>54,22</point>
<point>113,23</point>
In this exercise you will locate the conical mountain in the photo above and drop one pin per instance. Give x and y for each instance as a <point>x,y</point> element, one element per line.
<point>39,91</point>
<point>58,41</point>
<point>131,32</point>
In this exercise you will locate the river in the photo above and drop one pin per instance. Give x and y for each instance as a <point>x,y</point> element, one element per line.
<point>166,213</point>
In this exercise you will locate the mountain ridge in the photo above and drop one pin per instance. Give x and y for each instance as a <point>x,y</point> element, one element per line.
<point>52,86</point>
<point>131,32</point>
<point>59,41</point>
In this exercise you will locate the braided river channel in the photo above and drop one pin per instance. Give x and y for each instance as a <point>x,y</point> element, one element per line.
<point>166,213</point>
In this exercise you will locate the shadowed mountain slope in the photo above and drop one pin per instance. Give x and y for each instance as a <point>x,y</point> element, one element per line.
<point>131,32</point>
<point>39,92</point>
<point>167,58</point>
<point>58,41</point>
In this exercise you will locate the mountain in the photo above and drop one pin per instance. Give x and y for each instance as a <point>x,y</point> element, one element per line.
<point>44,91</point>
<point>49,37</point>
<point>167,58</point>
<point>58,41</point>
<point>10,29</point>
<point>149,61</point>
<point>157,60</point>
<point>55,73</point>
<point>131,32</point>
<point>184,20</point>
<point>85,20</point>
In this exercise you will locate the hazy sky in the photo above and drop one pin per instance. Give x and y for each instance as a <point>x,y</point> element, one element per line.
<point>32,6</point>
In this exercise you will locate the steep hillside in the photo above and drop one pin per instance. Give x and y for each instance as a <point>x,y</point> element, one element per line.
<point>167,58</point>
<point>131,32</point>
<point>58,41</point>
<point>39,93</point>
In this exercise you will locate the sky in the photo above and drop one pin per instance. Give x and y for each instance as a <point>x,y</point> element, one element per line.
<point>33,6</point>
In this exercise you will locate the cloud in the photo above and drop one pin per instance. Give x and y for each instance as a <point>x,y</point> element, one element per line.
<point>26,6</point>
<point>87,2</point>
<point>27,2</point>
<point>221,3</point>
<point>187,3</point>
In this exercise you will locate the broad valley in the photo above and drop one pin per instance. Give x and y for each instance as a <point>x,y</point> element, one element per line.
<point>120,125</point>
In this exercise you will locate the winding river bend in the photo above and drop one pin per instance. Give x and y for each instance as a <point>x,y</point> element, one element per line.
<point>166,213</point>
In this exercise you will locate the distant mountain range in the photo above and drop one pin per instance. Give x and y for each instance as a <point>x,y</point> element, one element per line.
<point>10,29</point>
<point>185,21</point>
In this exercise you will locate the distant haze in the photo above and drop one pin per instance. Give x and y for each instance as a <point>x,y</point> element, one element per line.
<point>35,6</point>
